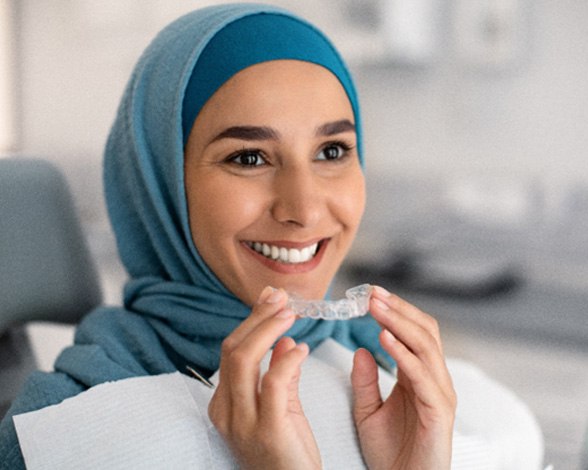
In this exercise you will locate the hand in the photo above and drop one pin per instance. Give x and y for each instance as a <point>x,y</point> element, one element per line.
<point>262,421</point>
<point>413,427</point>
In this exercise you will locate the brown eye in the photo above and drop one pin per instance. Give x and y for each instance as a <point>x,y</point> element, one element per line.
<point>333,151</point>
<point>248,158</point>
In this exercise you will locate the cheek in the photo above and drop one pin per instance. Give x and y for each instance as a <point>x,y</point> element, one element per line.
<point>350,202</point>
<point>224,209</point>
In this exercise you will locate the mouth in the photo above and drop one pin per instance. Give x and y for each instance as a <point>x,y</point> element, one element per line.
<point>288,257</point>
<point>283,254</point>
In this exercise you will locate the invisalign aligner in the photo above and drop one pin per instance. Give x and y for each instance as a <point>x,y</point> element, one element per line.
<point>355,304</point>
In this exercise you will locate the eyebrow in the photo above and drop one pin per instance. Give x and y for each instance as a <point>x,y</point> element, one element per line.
<point>336,127</point>
<point>248,133</point>
<point>267,133</point>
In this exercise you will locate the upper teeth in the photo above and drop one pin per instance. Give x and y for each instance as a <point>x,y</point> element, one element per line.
<point>285,255</point>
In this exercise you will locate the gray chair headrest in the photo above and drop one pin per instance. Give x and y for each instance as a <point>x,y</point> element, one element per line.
<point>46,271</point>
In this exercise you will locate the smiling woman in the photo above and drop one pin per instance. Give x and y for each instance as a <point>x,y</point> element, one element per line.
<point>233,175</point>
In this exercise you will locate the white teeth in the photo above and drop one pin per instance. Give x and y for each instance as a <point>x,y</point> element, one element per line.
<point>305,253</point>
<point>285,255</point>
<point>266,250</point>
<point>294,255</point>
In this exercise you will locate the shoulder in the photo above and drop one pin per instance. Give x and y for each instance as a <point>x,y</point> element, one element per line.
<point>40,390</point>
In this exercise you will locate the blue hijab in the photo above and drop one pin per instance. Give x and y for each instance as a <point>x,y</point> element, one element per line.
<point>176,312</point>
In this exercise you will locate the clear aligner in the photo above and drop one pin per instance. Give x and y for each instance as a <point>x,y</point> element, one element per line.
<point>355,304</point>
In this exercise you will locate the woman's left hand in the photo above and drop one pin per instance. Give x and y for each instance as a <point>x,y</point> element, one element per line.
<point>413,427</point>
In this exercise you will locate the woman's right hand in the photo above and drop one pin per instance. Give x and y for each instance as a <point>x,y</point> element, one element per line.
<point>261,419</point>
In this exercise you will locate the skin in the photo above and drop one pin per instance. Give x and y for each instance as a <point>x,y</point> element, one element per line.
<point>280,136</point>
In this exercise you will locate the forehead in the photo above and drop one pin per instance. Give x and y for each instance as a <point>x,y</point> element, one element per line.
<point>271,89</point>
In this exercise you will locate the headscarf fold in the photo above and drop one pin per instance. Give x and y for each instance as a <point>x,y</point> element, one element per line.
<point>176,311</point>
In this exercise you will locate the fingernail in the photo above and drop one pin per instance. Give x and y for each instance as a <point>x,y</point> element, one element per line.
<point>382,291</point>
<point>269,295</point>
<point>388,336</point>
<point>285,313</point>
<point>302,347</point>
<point>381,305</point>
<point>275,297</point>
<point>265,293</point>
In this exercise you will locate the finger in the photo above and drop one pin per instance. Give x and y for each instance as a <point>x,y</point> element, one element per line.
<point>411,333</point>
<point>364,382</point>
<point>283,345</point>
<point>417,330</point>
<point>423,382</point>
<point>240,365</point>
<point>279,386</point>
<point>270,301</point>
<point>417,340</point>
<point>410,311</point>
<point>221,411</point>
<point>260,340</point>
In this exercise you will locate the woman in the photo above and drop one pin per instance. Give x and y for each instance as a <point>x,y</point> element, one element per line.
<point>233,174</point>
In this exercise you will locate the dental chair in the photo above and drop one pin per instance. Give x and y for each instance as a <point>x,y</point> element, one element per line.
<point>46,272</point>
<point>47,276</point>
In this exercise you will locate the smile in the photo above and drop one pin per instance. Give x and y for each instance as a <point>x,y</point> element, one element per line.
<point>283,254</point>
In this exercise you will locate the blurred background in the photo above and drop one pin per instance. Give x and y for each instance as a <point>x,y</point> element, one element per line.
<point>474,117</point>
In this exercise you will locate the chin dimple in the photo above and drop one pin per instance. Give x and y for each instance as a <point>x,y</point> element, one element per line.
<point>283,254</point>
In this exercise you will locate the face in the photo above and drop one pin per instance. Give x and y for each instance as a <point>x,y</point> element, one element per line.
<point>273,182</point>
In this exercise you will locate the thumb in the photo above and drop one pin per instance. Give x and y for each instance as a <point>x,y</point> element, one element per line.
<point>364,382</point>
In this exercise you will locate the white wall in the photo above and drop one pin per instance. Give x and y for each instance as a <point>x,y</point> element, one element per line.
<point>443,118</point>
<point>8,70</point>
<point>76,58</point>
<point>528,119</point>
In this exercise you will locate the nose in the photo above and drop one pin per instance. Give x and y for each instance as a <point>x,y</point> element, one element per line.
<point>299,197</point>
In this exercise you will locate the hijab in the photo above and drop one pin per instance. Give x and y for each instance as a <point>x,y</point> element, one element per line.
<point>176,312</point>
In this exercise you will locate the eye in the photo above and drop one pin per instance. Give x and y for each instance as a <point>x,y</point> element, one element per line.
<point>247,158</point>
<point>333,151</point>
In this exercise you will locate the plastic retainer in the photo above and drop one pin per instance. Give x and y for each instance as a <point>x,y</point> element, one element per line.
<point>355,304</point>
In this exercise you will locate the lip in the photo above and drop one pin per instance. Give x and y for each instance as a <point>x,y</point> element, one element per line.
<point>284,268</point>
